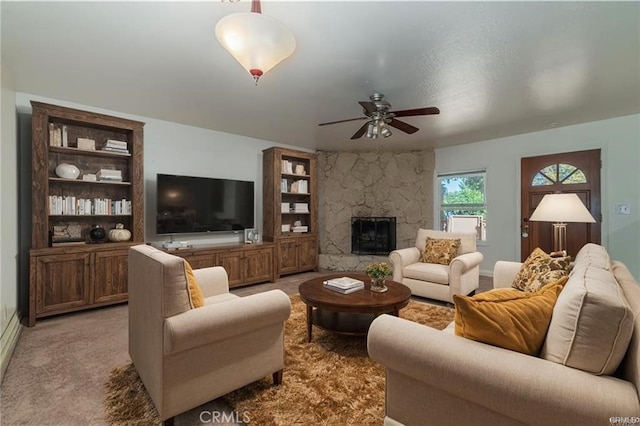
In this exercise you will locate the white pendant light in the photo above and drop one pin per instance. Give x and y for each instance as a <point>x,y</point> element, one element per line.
<point>257,42</point>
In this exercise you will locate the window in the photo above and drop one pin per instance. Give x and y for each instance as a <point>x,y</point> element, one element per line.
<point>564,174</point>
<point>463,202</point>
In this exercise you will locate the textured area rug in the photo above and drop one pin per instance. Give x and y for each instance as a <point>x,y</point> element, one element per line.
<point>328,381</point>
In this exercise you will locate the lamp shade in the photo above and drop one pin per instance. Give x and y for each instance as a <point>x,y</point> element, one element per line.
<point>561,208</point>
<point>256,41</point>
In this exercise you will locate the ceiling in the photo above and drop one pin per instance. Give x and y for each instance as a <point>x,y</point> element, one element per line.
<point>493,68</point>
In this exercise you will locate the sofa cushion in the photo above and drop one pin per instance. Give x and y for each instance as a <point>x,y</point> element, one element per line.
<point>431,272</point>
<point>592,323</point>
<point>440,251</point>
<point>467,240</point>
<point>592,255</point>
<point>196,298</point>
<point>540,269</point>
<point>507,318</point>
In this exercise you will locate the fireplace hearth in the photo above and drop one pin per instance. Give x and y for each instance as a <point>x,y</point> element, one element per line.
<point>373,235</point>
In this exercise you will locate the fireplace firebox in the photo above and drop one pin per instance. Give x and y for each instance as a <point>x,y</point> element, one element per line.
<point>373,235</point>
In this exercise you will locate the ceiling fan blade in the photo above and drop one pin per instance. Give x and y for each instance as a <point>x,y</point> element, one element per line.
<point>342,121</point>
<point>361,131</point>
<point>416,111</point>
<point>401,125</point>
<point>370,107</point>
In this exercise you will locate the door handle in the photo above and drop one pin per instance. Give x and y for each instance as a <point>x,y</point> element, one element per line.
<point>524,228</point>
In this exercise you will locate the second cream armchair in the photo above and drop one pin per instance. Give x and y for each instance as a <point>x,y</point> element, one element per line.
<point>436,281</point>
<point>185,356</point>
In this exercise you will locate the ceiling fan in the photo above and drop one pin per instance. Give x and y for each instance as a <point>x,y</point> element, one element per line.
<point>379,118</point>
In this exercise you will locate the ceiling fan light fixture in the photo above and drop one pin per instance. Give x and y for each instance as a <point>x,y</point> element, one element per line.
<point>257,42</point>
<point>384,130</point>
<point>372,130</point>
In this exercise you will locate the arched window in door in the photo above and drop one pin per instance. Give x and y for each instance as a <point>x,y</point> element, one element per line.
<point>564,174</point>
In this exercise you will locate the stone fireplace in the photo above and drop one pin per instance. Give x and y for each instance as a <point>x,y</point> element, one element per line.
<point>373,235</point>
<point>371,184</point>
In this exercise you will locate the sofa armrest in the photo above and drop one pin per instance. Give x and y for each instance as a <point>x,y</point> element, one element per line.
<point>401,258</point>
<point>213,280</point>
<point>465,262</point>
<point>507,382</point>
<point>504,272</point>
<point>220,321</point>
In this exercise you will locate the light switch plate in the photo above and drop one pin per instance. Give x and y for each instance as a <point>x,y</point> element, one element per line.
<point>623,209</point>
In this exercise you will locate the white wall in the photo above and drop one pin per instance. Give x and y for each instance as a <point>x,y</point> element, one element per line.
<point>185,150</point>
<point>8,215</point>
<point>619,140</point>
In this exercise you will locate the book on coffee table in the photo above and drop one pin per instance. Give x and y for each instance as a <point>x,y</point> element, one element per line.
<point>344,285</point>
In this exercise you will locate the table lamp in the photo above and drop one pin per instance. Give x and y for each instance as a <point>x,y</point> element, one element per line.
<point>560,209</point>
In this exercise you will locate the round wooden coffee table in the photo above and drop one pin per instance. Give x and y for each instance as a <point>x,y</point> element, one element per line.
<point>351,313</point>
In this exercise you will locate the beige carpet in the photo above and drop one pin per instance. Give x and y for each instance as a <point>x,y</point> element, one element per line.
<point>328,381</point>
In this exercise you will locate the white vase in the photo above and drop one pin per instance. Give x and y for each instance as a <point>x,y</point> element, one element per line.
<point>67,171</point>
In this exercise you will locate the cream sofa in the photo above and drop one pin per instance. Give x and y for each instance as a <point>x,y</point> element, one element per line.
<point>185,356</point>
<point>435,377</point>
<point>439,282</point>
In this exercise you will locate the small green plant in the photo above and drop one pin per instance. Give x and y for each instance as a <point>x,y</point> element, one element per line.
<point>379,270</point>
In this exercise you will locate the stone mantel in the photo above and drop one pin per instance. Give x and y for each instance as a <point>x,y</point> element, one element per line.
<point>392,183</point>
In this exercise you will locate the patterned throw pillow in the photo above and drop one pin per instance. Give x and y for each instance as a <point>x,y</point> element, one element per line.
<point>441,251</point>
<point>539,270</point>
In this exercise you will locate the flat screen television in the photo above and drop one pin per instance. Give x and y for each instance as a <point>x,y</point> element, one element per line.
<point>189,204</point>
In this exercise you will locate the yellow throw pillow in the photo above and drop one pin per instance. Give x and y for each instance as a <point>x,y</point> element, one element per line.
<point>196,298</point>
<point>506,318</point>
<point>441,251</point>
<point>540,269</point>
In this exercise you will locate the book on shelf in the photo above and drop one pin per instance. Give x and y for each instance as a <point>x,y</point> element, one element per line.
<point>285,207</point>
<point>65,138</point>
<point>115,150</point>
<point>287,167</point>
<point>300,187</point>
<point>301,208</point>
<point>71,206</point>
<point>116,144</point>
<point>67,243</point>
<point>86,144</point>
<point>301,228</point>
<point>109,175</point>
<point>55,135</point>
<point>344,285</point>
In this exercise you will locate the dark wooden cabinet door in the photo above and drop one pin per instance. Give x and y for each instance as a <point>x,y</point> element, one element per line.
<point>288,255</point>
<point>201,260</point>
<point>308,253</point>
<point>61,282</point>
<point>258,265</point>
<point>110,276</point>
<point>232,263</point>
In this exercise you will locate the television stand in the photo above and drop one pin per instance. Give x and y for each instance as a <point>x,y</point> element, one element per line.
<point>245,263</point>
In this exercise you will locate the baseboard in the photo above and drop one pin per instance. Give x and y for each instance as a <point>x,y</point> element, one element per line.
<point>8,342</point>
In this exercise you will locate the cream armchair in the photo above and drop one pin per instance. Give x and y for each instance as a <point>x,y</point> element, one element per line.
<point>440,282</point>
<point>186,357</point>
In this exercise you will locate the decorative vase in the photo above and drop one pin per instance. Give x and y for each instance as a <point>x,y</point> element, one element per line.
<point>97,234</point>
<point>378,285</point>
<point>67,171</point>
<point>119,233</point>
